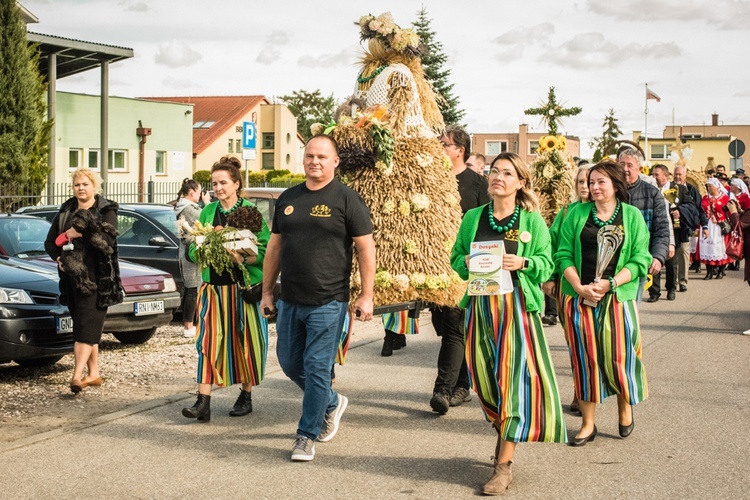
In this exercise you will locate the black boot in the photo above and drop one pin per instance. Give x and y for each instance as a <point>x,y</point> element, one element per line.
<point>709,272</point>
<point>243,405</point>
<point>388,341</point>
<point>200,410</point>
<point>399,341</point>
<point>721,272</point>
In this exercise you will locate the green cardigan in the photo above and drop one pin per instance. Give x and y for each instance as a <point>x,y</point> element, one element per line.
<point>633,252</point>
<point>537,251</point>
<point>554,229</point>
<point>256,268</point>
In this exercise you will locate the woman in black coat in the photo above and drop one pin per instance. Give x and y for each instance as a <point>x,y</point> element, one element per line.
<point>83,241</point>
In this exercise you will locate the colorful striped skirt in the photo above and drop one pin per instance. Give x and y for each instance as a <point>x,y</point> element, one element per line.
<point>400,323</point>
<point>232,340</point>
<point>511,369</point>
<point>604,343</point>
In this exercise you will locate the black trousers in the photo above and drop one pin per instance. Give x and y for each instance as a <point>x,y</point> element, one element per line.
<point>670,270</point>
<point>452,370</point>
<point>550,305</point>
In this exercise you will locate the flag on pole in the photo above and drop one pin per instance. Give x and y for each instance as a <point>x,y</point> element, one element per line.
<point>650,94</point>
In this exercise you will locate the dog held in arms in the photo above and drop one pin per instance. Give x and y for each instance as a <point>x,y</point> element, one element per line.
<point>92,229</point>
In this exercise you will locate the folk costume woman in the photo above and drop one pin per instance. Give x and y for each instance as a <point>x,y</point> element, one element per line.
<point>232,336</point>
<point>604,339</point>
<point>99,263</point>
<point>509,361</point>
<point>712,244</point>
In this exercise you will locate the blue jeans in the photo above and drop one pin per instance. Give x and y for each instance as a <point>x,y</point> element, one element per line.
<point>307,341</point>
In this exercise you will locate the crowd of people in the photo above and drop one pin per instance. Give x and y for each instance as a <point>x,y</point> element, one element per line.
<point>493,344</point>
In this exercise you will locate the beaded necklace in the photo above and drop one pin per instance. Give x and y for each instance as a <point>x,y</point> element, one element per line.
<point>232,208</point>
<point>511,222</point>
<point>365,79</point>
<point>599,223</point>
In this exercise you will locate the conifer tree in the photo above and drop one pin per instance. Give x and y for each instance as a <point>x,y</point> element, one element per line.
<point>309,108</point>
<point>604,145</point>
<point>24,129</point>
<point>433,62</point>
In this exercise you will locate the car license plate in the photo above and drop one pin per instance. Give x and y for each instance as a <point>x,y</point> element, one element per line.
<point>65,324</point>
<point>146,308</point>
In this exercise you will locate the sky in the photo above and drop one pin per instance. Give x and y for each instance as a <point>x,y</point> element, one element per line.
<point>503,56</point>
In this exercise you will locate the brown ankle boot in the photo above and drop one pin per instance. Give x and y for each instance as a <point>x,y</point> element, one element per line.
<point>500,480</point>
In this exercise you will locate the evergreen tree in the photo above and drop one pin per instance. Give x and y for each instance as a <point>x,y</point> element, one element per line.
<point>433,61</point>
<point>309,108</point>
<point>24,129</point>
<point>605,144</point>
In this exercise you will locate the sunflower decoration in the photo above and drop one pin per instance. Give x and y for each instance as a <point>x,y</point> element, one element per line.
<point>548,142</point>
<point>646,168</point>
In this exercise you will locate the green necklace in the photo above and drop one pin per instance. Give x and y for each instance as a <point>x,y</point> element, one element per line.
<point>232,209</point>
<point>607,222</point>
<point>365,79</point>
<point>511,222</point>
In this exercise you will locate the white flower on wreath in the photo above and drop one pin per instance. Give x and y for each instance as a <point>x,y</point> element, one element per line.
<point>401,282</point>
<point>389,206</point>
<point>383,168</point>
<point>420,202</point>
<point>424,160</point>
<point>383,279</point>
<point>432,282</point>
<point>411,247</point>
<point>417,280</point>
<point>404,207</point>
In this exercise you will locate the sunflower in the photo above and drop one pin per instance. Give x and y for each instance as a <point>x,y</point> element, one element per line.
<point>548,142</point>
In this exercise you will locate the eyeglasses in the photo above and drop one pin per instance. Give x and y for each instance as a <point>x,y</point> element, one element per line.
<point>447,144</point>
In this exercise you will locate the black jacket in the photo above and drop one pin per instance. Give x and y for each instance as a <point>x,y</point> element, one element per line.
<point>106,269</point>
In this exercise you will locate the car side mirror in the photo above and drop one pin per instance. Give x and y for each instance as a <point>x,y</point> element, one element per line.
<point>158,241</point>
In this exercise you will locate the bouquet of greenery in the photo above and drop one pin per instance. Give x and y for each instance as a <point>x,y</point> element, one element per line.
<point>215,243</point>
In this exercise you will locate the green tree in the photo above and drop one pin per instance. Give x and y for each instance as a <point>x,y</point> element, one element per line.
<point>605,144</point>
<point>24,129</point>
<point>309,108</point>
<point>433,62</point>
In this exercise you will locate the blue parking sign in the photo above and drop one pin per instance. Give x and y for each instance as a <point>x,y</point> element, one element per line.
<point>249,135</point>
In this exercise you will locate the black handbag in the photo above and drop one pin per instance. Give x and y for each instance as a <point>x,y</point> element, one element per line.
<point>253,294</point>
<point>726,227</point>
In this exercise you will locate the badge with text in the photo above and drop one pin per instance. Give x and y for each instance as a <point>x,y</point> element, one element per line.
<point>486,273</point>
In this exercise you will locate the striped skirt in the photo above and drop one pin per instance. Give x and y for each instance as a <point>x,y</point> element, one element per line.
<point>400,323</point>
<point>511,369</point>
<point>605,349</point>
<point>232,339</point>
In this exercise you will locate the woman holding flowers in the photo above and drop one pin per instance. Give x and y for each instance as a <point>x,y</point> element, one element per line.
<point>232,336</point>
<point>600,316</point>
<point>507,355</point>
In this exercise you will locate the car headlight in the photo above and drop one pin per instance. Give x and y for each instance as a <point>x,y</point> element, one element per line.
<point>15,296</point>
<point>170,285</point>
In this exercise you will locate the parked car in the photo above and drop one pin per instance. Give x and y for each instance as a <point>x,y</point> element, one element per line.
<point>151,296</point>
<point>264,199</point>
<point>148,235</point>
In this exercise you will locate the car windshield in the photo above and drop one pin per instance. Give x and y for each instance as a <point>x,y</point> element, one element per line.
<point>165,217</point>
<point>22,237</point>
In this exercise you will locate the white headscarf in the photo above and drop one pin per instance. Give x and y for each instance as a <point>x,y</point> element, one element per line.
<point>715,182</point>
<point>739,184</point>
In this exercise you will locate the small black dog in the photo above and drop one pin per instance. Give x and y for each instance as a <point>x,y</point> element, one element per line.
<point>92,229</point>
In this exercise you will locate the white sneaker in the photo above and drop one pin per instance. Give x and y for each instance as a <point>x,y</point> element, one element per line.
<point>331,421</point>
<point>746,332</point>
<point>189,333</point>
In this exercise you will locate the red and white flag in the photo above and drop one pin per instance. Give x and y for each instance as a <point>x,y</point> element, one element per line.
<point>650,94</point>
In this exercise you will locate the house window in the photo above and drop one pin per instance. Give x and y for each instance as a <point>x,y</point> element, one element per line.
<point>230,147</point>
<point>161,162</point>
<point>533,146</point>
<point>94,159</point>
<point>691,136</point>
<point>494,148</point>
<point>237,146</point>
<point>268,161</point>
<point>659,151</point>
<point>116,160</point>
<point>74,158</point>
<point>268,140</point>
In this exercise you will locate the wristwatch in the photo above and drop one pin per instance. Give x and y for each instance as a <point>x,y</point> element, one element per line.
<point>525,264</point>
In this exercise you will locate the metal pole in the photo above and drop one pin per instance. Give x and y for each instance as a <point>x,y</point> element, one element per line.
<point>104,148</point>
<point>645,149</point>
<point>51,105</point>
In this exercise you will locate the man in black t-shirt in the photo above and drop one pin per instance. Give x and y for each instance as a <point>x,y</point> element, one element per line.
<point>314,227</point>
<point>452,382</point>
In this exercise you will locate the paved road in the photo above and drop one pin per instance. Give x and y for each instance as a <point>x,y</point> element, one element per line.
<point>691,438</point>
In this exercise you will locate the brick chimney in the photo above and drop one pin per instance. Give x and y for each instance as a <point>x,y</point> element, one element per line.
<point>715,120</point>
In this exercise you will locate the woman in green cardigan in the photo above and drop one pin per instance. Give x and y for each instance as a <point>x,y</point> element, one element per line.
<point>604,340</point>
<point>232,335</point>
<point>507,355</point>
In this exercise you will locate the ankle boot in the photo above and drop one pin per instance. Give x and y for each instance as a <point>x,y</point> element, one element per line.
<point>709,273</point>
<point>388,342</point>
<point>243,405</point>
<point>399,342</point>
<point>200,410</point>
<point>500,480</point>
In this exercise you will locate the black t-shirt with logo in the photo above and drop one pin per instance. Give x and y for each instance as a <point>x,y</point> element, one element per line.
<point>472,188</point>
<point>316,229</point>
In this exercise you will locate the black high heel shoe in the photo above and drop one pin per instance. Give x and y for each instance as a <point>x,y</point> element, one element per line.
<point>582,441</point>
<point>626,430</point>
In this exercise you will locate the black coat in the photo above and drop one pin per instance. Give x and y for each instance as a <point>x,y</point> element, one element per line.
<point>105,270</point>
